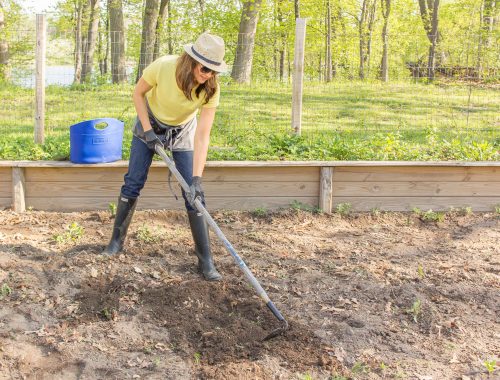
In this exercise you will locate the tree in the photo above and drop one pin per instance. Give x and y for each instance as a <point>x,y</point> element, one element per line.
<point>4,47</point>
<point>384,64</point>
<point>90,41</point>
<point>163,14</point>
<point>365,27</point>
<point>429,11</point>
<point>148,39</point>
<point>117,37</point>
<point>486,25</point>
<point>328,53</point>
<point>242,67</point>
<point>80,7</point>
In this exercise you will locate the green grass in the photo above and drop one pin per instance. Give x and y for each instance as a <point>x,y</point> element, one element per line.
<point>341,121</point>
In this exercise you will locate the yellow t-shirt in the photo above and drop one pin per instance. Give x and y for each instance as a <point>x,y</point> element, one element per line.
<point>166,100</point>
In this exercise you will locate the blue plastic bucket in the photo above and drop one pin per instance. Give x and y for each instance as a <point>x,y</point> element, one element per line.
<point>91,145</point>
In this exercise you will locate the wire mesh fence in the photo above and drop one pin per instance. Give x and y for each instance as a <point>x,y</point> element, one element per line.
<point>343,96</point>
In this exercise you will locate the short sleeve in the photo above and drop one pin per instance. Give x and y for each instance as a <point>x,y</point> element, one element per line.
<point>150,73</point>
<point>214,100</point>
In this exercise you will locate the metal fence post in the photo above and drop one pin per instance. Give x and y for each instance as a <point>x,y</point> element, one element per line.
<point>298,74</point>
<point>41,44</point>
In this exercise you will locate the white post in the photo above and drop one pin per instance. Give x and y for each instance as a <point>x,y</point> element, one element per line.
<point>298,74</point>
<point>41,43</point>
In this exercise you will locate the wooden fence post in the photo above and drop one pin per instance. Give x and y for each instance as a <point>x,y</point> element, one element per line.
<point>298,74</point>
<point>41,43</point>
<point>18,189</point>
<point>326,190</point>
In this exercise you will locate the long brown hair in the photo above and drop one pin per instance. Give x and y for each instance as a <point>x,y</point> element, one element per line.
<point>186,82</point>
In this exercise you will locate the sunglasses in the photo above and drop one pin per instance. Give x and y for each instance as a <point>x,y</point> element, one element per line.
<point>206,70</point>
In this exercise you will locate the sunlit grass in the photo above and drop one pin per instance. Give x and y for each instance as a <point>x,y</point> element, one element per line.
<point>250,114</point>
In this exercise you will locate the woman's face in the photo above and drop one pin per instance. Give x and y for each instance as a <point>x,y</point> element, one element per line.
<point>202,73</point>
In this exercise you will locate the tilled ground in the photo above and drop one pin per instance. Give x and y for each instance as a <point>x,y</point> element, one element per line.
<point>367,297</point>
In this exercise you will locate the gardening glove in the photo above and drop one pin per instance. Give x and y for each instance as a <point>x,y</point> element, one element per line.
<point>152,139</point>
<point>196,191</point>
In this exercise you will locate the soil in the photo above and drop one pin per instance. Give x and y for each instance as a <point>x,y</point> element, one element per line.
<point>367,296</point>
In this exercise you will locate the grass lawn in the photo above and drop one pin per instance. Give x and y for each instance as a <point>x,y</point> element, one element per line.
<point>394,121</point>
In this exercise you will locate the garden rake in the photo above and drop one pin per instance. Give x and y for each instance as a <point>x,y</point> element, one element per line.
<point>211,222</point>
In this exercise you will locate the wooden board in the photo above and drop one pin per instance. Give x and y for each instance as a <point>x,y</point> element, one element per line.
<point>5,202</point>
<point>415,189</point>
<point>160,174</point>
<point>214,203</point>
<point>416,173</point>
<point>424,203</point>
<point>6,188</point>
<point>161,189</point>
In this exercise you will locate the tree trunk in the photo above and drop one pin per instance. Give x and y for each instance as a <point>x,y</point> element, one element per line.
<point>169,29</point>
<point>162,15</point>
<point>242,67</point>
<point>371,22</point>
<point>4,49</point>
<point>432,48</point>
<point>362,38</point>
<point>79,10</point>
<point>103,47</point>
<point>296,4</point>
<point>88,57</point>
<point>149,22</point>
<point>282,44</point>
<point>486,24</point>
<point>328,34</point>
<point>384,64</point>
<point>117,37</point>
<point>429,13</point>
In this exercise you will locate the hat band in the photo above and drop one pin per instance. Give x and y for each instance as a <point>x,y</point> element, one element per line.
<point>205,59</point>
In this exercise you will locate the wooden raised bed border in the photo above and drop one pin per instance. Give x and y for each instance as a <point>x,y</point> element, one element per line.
<point>247,185</point>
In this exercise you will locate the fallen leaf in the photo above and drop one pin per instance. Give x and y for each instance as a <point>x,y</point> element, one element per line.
<point>93,272</point>
<point>137,270</point>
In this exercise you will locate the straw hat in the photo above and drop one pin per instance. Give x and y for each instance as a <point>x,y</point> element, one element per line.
<point>209,51</point>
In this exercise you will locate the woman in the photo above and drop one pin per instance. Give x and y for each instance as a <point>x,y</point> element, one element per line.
<point>167,98</point>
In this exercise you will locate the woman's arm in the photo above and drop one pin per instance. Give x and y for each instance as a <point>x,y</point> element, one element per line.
<point>139,98</point>
<point>201,140</point>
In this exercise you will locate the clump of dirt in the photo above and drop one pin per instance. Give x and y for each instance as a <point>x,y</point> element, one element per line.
<point>99,299</point>
<point>222,322</point>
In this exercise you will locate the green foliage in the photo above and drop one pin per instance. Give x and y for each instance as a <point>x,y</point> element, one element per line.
<point>432,216</point>
<point>344,209</point>
<point>296,205</point>
<point>490,365</point>
<point>252,123</point>
<point>146,235</point>
<point>416,310</point>
<point>197,357</point>
<point>359,368</point>
<point>73,232</point>
<point>5,291</point>
<point>259,212</point>
<point>461,211</point>
<point>420,271</point>
<point>497,209</point>
<point>429,215</point>
<point>112,208</point>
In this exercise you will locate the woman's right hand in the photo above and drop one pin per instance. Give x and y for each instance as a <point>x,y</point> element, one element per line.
<point>152,139</point>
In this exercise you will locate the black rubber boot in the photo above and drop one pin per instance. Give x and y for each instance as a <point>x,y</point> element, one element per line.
<point>199,229</point>
<point>124,212</point>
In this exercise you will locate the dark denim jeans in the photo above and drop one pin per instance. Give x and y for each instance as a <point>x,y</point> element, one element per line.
<point>140,161</point>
